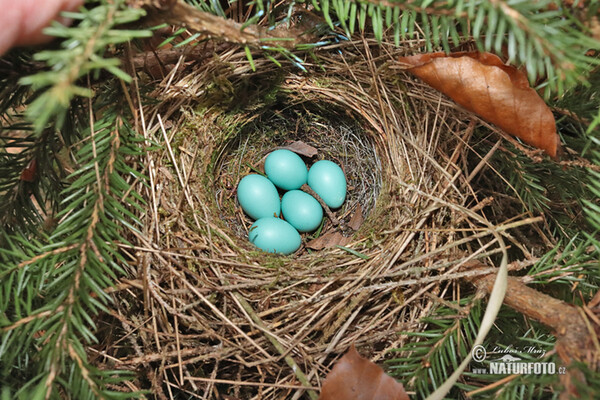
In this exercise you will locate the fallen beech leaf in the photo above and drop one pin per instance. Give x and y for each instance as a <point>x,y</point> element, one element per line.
<point>499,94</point>
<point>329,239</point>
<point>299,147</point>
<point>357,219</point>
<point>356,378</point>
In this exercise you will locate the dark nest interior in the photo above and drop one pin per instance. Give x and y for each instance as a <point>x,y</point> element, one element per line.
<point>216,318</point>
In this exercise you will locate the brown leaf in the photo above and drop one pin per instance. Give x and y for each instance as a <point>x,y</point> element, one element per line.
<point>30,171</point>
<point>357,219</point>
<point>499,94</point>
<point>299,147</point>
<point>328,240</point>
<point>356,378</point>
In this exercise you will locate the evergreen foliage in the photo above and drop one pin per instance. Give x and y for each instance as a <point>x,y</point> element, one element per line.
<point>431,356</point>
<point>434,354</point>
<point>67,156</point>
<point>549,40</point>
<point>54,285</point>
<point>439,350</point>
<point>54,279</point>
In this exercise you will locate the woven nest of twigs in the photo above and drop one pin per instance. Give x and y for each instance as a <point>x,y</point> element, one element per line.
<point>213,316</point>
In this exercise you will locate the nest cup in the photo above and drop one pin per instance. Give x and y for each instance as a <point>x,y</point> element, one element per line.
<point>334,136</point>
<point>256,325</point>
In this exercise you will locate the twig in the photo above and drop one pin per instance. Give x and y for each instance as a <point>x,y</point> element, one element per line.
<point>563,318</point>
<point>574,338</point>
<point>176,12</point>
<point>330,215</point>
<point>492,386</point>
<point>243,383</point>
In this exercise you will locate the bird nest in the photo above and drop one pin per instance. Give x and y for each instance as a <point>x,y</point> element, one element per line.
<point>215,317</point>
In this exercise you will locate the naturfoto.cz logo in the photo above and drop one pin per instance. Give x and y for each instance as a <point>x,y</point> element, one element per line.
<point>509,364</point>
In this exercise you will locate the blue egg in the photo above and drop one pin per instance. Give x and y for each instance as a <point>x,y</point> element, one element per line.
<point>301,210</point>
<point>286,169</point>
<point>258,197</point>
<point>327,179</point>
<point>274,235</point>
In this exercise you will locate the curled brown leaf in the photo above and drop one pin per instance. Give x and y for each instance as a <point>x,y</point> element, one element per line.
<point>356,378</point>
<point>328,240</point>
<point>357,219</point>
<point>299,147</point>
<point>498,93</point>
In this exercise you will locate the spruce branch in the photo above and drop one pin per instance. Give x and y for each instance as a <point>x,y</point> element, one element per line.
<point>430,354</point>
<point>563,318</point>
<point>79,259</point>
<point>558,191</point>
<point>211,26</point>
<point>81,54</point>
<point>568,263</point>
<point>592,205</point>
<point>86,246</point>
<point>279,39</point>
<point>429,359</point>
<point>548,41</point>
<point>576,340</point>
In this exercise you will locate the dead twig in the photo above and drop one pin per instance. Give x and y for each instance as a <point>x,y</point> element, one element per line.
<point>575,339</point>
<point>330,215</point>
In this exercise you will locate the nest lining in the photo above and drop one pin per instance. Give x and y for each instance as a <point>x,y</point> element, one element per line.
<point>335,138</point>
<point>226,320</point>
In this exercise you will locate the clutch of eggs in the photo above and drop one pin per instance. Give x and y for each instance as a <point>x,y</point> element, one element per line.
<point>259,198</point>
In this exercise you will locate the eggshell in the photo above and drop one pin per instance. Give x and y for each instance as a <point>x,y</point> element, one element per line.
<point>274,235</point>
<point>286,169</point>
<point>301,210</point>
<point>258,197</point>
<point>327,179</point>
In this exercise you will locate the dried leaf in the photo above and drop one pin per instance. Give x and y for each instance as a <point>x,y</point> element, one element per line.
<point>327,240</point>
<point>356,378</point>
<point>498,93</point>
<point>299,147</point>
<point>357,219</point>
<point>30,171</point>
